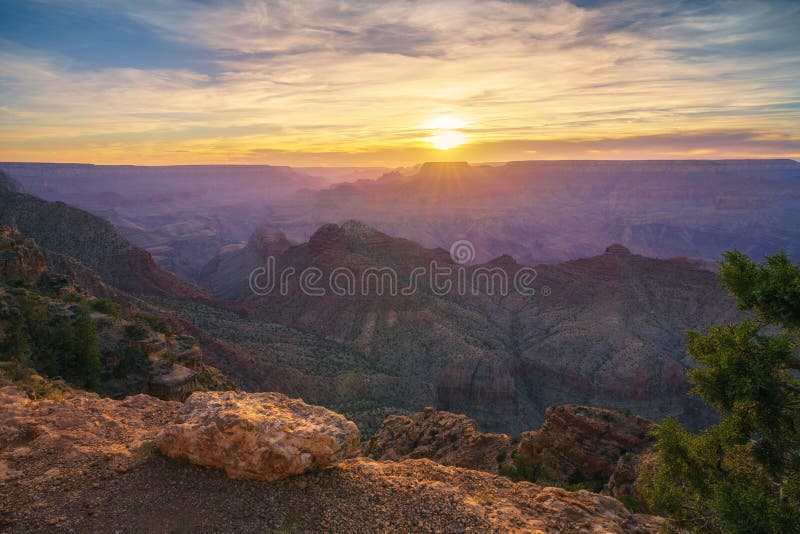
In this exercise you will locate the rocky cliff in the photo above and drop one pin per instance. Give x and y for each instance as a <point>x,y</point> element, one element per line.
<point>576,446</point>
<point>585,444</point>
<point>224,273</point>
<point>446,438</point>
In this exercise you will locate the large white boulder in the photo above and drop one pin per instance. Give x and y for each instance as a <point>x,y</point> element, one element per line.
<point>264,436</point>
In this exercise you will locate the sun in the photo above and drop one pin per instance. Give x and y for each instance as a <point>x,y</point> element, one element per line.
<point>445,132</point>
<point>447,139</point>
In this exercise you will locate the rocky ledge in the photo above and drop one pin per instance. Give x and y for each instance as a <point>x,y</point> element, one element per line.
<point>585,446</point>
<point>444,437</point>
<point>82,463</point>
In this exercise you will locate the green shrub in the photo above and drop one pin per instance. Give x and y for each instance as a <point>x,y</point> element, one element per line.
<point>69,347</point>
<point>132,360</point>
<point>16,345</point>
<point>523,467</point>
<point>156,323</point>
<point>136,332</point>
<point>107,306</point>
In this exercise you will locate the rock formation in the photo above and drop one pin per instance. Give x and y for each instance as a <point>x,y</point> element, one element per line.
<point>87,464</point>
<point>576,446</point>
<point>264,436</point>
<point>175,383</point>
<point>139,353</point>
<point>224,273</point>
<point>446,438</point>
<point>21,261</point>
<point>585,443</point>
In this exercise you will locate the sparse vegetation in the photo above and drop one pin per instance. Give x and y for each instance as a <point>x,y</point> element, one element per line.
<point>523,467</point>
<point>107,306</point>
<point>132,360</point>
<point>155,323</point>
<point>136,332</point>
<point>38,387</point>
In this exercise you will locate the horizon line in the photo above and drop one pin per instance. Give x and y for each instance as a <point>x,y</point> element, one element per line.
<point>419,163</point>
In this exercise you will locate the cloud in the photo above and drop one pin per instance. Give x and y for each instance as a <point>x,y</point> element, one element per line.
<point>314,78</point>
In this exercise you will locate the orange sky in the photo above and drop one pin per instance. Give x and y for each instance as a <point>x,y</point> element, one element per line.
<point>380,83</point>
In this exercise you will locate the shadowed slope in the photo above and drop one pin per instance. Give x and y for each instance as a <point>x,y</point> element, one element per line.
<point>95,242</point>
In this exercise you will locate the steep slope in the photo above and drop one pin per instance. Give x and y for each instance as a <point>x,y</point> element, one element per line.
<point>585,443</point>
<point>93,241</point>
<point>180,214</point>
<point>59,317</point>
<point>224,273</point>
<point>446,438</point>
<point>606,330</point>
<point>583,446</point>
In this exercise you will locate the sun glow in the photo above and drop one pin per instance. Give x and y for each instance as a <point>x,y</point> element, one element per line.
<point>447,139</point>
<point>445,132</point>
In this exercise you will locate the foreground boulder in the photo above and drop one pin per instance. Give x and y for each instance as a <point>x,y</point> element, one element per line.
<point>258,435</point>
<point>444,437</point>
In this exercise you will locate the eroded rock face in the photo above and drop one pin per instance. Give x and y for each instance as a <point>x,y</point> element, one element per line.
<point>224,273</point>
<point>96,243</point>
<point>21,260</point>
<point>585,443</point>
<point>258,436</point>
<point>176,383</point>
<point>502,361</point>
<point>443,437</point>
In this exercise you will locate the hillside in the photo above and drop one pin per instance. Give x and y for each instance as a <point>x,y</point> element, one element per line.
<point>96,243</point>
<point>61,319</point>
<point>180,214</point>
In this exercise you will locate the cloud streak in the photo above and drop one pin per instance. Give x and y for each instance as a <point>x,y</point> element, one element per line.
<point>336,82</point>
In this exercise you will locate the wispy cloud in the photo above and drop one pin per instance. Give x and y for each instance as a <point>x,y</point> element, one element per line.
<point>323,81</point>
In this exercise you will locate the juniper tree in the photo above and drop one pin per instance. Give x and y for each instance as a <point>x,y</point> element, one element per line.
<point>743,474</point>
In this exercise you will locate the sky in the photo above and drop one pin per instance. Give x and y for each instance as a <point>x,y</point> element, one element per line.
<point>365,83</point>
